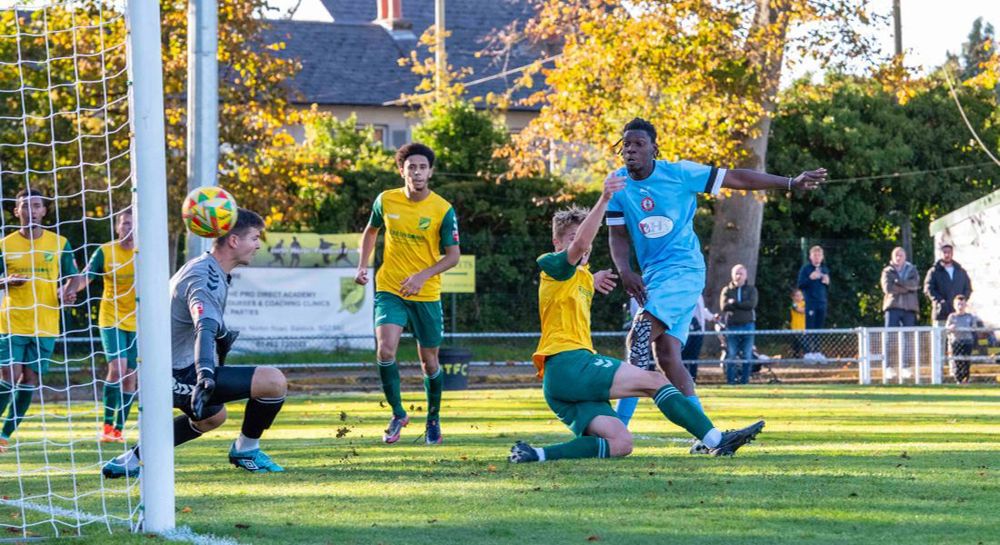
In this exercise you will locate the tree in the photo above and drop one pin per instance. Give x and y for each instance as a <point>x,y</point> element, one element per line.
<point>260,162</point>
<point>705,72</point>
<point>976,52</point>
<point>859,129</point>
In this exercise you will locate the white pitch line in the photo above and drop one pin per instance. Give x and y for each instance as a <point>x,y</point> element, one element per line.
<point>182,534</point>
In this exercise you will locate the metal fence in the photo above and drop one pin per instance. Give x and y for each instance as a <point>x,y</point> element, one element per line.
<point>914,355</point>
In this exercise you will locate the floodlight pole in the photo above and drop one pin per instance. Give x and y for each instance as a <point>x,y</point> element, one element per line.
<point>202,104</point>
<point>440,58</point>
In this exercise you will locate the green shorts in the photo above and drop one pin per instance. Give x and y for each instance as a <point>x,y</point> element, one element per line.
<point>120,344</point>
<point>425,318</point>
<point>35,352</point>
<point>577,386</point>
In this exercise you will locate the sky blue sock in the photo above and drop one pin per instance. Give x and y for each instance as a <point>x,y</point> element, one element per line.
<point>626,408</point>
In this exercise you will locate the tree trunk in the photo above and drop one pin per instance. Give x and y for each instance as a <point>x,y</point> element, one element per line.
<point>738,217</point>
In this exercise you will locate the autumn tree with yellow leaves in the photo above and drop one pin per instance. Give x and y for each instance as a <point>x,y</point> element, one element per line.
<point>705,72</point>
<point>259,162</point>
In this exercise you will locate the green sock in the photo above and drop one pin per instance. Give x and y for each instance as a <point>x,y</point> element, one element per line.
<point>112,397</point>
<point>679,410</point>
<point>127,399</point>
<point>586,446</point>
<point>388,371</point>
<point>433,385</point>
<point>22,400</point>
<point>5,391</point>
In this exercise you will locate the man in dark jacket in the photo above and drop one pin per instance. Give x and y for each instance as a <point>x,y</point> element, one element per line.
<point>737,303</point>
<point>945,280</point>
<point>814,281</point>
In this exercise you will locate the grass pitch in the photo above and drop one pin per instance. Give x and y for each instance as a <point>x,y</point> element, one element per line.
<point>835,464</point>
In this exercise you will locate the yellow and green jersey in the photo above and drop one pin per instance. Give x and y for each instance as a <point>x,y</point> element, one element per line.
<point>416,234</point>
<point>116,267</point>
<point>32,309</point>
<point>564,297</point>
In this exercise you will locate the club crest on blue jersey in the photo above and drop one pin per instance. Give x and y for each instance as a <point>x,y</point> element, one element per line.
<point>648,204</point>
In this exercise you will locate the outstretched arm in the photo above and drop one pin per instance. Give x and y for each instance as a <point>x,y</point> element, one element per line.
<point>745,179</point>
<point>588,229</point>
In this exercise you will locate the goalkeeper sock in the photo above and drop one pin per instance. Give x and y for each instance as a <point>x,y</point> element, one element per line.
<point>626,408</point>
<point>679,410</point>
<point>112,397</point>
<point>433,385</point>
<point>22,400</point>
<point>586,446</point>
<point>6,389</point>
<point>246,444</point>
<point>260,414</point>
<point>184,430</point>
<point>388,371</point>
<point>127,399</point>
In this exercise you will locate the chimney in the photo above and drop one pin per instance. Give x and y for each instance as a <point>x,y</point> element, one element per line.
<point>390,17</point>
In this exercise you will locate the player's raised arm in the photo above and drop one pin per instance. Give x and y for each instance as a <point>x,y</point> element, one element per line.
<point>745,179</point>
<point>588,229</point>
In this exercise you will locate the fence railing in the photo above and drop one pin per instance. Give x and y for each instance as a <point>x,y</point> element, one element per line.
<point>915,355</point>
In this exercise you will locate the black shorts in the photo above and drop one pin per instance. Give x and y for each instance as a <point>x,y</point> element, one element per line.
<point>231,384</point>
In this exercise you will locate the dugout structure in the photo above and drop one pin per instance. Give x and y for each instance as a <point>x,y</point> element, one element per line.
<point>974,232</point>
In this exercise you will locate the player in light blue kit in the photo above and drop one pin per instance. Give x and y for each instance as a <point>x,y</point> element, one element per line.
<point>656,210</point>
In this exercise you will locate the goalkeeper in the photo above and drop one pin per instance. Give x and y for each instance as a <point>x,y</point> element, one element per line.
<point>202,386</point>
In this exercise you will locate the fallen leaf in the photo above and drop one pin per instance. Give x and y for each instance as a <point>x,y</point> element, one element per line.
<point>853,495</point>
<point>593,538</point>
<point>342,432</point>
<point>492,468</point>
<point>186,510</point>
<point>242,526</point>
<point>904,455</point>
<point>343,416</point>
<point>432,521</point>
<point>463,457</point>
<point>381,404</point>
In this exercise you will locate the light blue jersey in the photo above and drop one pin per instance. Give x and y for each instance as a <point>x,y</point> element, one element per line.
<point>659,214</point>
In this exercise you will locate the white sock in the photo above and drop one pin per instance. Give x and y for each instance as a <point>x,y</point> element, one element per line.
<point>712,438</point>
<point>541,453</point>
<point>128,459</point>
<point>244,443</point>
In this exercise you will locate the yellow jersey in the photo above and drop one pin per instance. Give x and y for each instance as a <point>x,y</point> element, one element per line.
<point>32,309</point>
<point>799,315</point>
<point>416,234</point>
<point>116,267</point>
<point>564,297</point>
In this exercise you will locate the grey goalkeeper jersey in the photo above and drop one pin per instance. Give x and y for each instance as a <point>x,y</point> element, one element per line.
<point>197,291</point>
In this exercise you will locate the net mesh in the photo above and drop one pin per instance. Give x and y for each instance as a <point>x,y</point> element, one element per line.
<point>64,133</point>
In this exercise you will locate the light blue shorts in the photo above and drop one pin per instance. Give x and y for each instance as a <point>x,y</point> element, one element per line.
<point>671,296</point>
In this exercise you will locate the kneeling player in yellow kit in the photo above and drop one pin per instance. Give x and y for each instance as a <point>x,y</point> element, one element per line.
<point>577,382</point>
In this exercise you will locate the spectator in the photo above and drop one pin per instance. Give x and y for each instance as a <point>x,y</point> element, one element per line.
<point>814,281</point>
<point>944,281</point>
<point>692,348</point>
<point>961,338</point>
<point>798,320</point>
<point>738,302</point>
<point>900,301</point>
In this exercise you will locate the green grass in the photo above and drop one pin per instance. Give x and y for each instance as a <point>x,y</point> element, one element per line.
<point>836,464</point>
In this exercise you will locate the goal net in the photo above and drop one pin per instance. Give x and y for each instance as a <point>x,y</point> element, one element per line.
<point>68,343</point>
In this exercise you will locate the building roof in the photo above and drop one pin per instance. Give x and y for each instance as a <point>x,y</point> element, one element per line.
<point>353,61</point>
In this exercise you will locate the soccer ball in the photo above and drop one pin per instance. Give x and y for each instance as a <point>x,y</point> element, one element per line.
<point>209,212</point>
